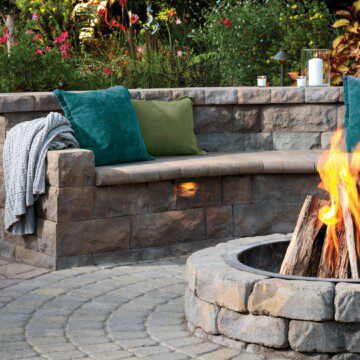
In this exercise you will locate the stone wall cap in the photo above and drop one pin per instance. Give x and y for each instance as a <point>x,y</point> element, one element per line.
<point>212,164</point>
<point>46,101</point>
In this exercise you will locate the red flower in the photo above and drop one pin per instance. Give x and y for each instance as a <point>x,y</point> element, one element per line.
<point>4,39</point>
<point>134,19</point>
<point>39,52</point>
<point>226,22</point>
<point>29,32</point>
<point>101,12</point>
<point>48,48</point>
<point>127,52</point>
<point>172,13</point>
<point>107,71</point>
<point>61,38</point>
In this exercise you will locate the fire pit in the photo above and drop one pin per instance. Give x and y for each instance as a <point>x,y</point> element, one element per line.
<point>236,297</point>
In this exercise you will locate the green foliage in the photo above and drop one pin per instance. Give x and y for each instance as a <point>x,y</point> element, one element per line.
<point>34,65</point>
<point>247,34</point>
<point>346,47</point>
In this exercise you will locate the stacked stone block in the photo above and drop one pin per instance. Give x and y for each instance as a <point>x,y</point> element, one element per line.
<point>96,215</point>
<point>294,318</point>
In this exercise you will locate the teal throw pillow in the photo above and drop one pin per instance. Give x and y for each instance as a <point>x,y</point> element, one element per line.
<point>352,117</point>
<point>105,122</point>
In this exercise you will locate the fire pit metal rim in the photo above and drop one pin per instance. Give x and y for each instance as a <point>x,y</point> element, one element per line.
<point>233,259</point>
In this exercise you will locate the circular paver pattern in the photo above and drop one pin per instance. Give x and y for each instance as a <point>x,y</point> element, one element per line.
<point>121,312</point>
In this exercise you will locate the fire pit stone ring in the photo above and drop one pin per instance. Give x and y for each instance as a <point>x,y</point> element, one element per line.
<point>235,297</point>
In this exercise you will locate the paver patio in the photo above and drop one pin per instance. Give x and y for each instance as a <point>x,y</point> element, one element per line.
<point>120,312</point>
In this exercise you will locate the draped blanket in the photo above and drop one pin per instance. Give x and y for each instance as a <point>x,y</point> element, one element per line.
<point>24,159</point>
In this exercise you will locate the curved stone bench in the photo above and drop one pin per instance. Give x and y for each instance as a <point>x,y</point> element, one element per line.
<point>169,206</point>
<point>282,318</point>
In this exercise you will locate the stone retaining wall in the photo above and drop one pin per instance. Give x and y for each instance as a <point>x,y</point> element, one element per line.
<point>80,223</point>
<point>226,119</point>
<point>289,318</point>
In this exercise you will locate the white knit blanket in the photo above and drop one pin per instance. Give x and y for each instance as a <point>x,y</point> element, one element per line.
<point>24,160</point>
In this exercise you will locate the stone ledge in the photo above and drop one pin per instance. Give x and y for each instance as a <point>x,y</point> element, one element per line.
<point>214,164</point>
<point>46,101</point>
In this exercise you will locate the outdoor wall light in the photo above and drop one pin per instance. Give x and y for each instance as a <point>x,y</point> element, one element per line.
<point>187,189</point>
<point>282,56</point>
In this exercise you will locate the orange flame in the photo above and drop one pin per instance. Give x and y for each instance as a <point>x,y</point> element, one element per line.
<point>339,169</point>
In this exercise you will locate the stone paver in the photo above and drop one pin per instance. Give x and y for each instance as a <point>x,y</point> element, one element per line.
<point>122,312</point>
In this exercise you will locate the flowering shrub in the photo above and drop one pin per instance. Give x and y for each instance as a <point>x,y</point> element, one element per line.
<point>346,47</point>
<point>35,62</point>
<point>246,35</point>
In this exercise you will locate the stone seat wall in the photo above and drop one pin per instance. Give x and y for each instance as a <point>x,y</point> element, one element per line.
<point>142,211</point>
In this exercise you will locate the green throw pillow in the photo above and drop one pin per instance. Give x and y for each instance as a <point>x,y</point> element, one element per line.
<point>167,127</point>
<point>105,122</point>
<point>352,119</point>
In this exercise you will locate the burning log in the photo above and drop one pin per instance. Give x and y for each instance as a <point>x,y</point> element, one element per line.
<point>303,253</point>
<point>349,233</point>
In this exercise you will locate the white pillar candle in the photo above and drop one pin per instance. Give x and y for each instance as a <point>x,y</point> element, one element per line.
<point>301,81</point>
<point>315,72</point>
<point>261,81</point>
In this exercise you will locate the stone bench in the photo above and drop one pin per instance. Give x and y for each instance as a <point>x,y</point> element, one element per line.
<point>170,206</point>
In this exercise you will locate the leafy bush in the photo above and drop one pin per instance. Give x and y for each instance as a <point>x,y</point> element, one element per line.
<point>247,34</point>
<point>35,64</point>
<point>346,47</point>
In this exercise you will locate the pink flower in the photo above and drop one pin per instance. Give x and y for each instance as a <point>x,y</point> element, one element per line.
<point>48,48</point>
<point>35,16</point>
<point>30,32</point>
<point>140,50</point>
<point>65,50</point>
<point>179,53</point>
<point>178,21</point>
<point>61,38</point>
<point>39,52</point>
<point>134,19</point>
<point>107,71</point>
<point>37,37</point>
<point>4,39</point>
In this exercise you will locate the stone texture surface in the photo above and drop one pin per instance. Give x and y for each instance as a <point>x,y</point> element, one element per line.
<point>322,94</point>
<point>341,116</point>
<point>287,95</point>
<point>286,188</point>
<point>73,167</point>
<point>299,118</point>
<point>220,96</point>
<point>201,313</point>
<point>162,196</point>
<point>331,337</point>
<point>212,119</point>
<point>263,330</point>
<point>254,95</point>
<point>246,119</point>
<point>92,236</point>
<point>265,218</point>
<point>218,220</point>
<point>325,140</point>
<point>66,204</point>
<point>221,142</point>
<point>296,140</point>
<point>236,189</point>
<point>167,228</point>
<point>16,103</point>
<point>114,201</point>
<point>347,302</point>
<point>258,141</point>
<point>293,299</point>
<point>224,286</point>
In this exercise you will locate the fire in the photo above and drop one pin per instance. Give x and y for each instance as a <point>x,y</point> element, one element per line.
<point>339,175</point>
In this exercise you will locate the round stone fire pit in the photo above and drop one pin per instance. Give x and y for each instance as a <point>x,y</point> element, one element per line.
<point>235,296</point>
